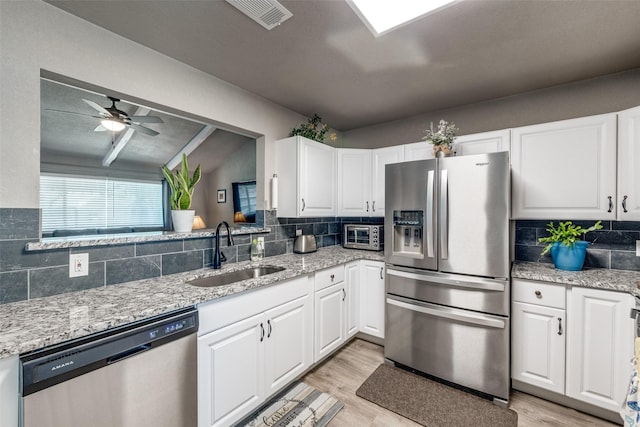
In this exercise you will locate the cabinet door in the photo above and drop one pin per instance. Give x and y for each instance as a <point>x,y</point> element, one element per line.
<point>482,143</point>
<point>9,385</point>
<point>354,182</point>
<point>329,320</point>
<point>288,342</point>
<point>372,298</point>
<point>230,372</point>
<point>380,158</point>
<point>565,169</point>
<point>628,161</point>
<point>352,300</point>
<point>538,345</point>
<point>418,151</point>
<point>599,346</point>
<point>317,178</point>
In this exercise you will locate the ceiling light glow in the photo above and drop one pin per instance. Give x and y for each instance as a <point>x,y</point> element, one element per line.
<point>112,125</point>
<point>382,16</point>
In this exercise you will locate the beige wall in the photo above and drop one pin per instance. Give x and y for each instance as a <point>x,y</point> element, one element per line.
<point>35,35</point>
<point>239,166</point>
<point>595,96</point>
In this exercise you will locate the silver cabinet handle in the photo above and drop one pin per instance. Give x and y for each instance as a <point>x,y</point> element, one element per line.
<point>429,209</point>
<point>610,204</point>
<point>559,326</point>
<point>261,332</point>
<point>373,206</point>
<point>624,204</point>
<point>367,206</point>
<point>333,276</point>
<point>304,205</point>
<point>269,324</point>
<point>381,272</point>
<point>344,294</point>
<point>444,220</point>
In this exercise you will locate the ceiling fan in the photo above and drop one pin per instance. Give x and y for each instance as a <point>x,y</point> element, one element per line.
<point>114,119</point>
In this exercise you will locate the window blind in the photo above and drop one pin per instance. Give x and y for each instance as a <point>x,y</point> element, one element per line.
<point>70,202</point>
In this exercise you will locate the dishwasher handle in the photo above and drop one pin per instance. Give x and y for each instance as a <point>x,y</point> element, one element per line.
<point>125,354</point>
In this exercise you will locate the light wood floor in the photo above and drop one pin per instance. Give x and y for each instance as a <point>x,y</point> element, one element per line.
<point>346,370</point>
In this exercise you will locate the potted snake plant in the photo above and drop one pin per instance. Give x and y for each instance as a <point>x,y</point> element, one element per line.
<point>182,186</point>
<point>568,251</point>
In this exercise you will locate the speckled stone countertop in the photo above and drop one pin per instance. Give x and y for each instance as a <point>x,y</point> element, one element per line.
<point>119,239</point>
<point>601,278</point>
<point>41,322</point>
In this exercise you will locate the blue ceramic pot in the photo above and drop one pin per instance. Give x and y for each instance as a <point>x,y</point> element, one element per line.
<point>569,258</point>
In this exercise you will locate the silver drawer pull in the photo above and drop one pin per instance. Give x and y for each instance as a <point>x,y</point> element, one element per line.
<point>538,294</point>
<point>333,276</point>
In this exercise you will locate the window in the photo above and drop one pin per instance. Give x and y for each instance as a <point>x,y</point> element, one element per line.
<point>91,205</point>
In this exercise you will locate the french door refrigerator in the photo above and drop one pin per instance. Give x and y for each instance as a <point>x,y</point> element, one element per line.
<point>447,254</point>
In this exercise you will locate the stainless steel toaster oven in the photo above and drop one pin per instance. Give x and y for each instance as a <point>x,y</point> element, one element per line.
<point>363,236</point>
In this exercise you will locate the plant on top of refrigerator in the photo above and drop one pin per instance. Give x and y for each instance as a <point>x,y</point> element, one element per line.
<point>442,138</point>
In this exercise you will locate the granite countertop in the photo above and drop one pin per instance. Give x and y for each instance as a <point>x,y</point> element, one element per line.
<point>600,278</point>
<point>41,322</point>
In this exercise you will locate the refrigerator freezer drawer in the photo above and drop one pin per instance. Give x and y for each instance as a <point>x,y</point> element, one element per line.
<point>467,348</point>
<point>471,293</point>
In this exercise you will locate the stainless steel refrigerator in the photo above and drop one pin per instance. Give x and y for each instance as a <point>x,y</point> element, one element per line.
<point>447,254</point>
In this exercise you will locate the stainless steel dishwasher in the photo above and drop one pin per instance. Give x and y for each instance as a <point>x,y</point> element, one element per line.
<point>143,374</point>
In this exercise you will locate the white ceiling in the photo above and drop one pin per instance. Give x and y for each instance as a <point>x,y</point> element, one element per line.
<point>324,60</point>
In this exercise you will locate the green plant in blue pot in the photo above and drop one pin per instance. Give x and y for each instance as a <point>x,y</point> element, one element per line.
<point>564,242</point>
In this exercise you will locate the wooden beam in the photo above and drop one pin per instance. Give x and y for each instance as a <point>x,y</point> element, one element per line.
<point>198,139</point>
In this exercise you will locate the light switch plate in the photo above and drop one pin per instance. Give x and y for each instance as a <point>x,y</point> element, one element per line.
<point>298,232</point>
<point>78,265</point>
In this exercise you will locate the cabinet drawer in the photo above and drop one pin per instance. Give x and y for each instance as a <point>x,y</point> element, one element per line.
<point>540,293</point>
<point>329,276</point>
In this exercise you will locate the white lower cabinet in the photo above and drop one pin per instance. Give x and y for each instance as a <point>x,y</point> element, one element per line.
<point>600,346</point>
<point>330,329</point>
<point>372,298</point>
<point>582,352</point>
<point>249,347</point>
<point>9,386</point>
<point>352,302</point>
<point>538,345</point>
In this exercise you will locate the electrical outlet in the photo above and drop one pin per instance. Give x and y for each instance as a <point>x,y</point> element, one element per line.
<point>298,232</point>
<point>78,265</point>
<point>637,247</point>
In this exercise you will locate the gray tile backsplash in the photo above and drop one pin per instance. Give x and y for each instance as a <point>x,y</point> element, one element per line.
<point>612,247</point>
<point>35,274</point>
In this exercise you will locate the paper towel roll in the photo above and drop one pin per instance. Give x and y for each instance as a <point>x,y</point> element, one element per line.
<point>274,192</point>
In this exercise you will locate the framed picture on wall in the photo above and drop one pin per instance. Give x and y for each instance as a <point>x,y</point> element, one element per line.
<point>222,196</point>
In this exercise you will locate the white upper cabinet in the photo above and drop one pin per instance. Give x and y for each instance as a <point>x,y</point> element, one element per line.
<point>629,165</point>
<point>381,157</point>
<point>565,169</point>
<point>307,178</point>
<point>418,151</point>
<point>354,179</point>
<point>482,143</point>
<point>361,179</point>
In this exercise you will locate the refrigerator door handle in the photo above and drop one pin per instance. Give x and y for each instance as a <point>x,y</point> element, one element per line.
<point>444,221</point>
<point>429,209</point>
<point>475,283</point>
<point>447,313</point>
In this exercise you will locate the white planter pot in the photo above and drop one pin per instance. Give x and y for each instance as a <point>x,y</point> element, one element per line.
<point>182,221</point>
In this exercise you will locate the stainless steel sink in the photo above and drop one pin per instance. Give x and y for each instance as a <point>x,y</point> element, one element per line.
<point>235,276</point>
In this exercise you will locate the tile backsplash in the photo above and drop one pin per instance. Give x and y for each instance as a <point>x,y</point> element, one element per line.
<point>25,275</point>
<point>612,247</point>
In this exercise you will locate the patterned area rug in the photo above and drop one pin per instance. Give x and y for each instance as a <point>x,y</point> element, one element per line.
<point>430,403</point>
<point>300,405</point>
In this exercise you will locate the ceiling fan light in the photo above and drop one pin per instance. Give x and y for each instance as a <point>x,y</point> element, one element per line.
<point>112,125</point>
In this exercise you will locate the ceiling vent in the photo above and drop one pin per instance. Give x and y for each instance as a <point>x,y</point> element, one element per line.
<point>268,13</point>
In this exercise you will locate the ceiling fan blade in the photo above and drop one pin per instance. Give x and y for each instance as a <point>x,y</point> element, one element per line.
<point>73,112</point>
<point>97,107</point>
<point>100,128</point>
<point>145,130</point>
<point>146,119</point>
